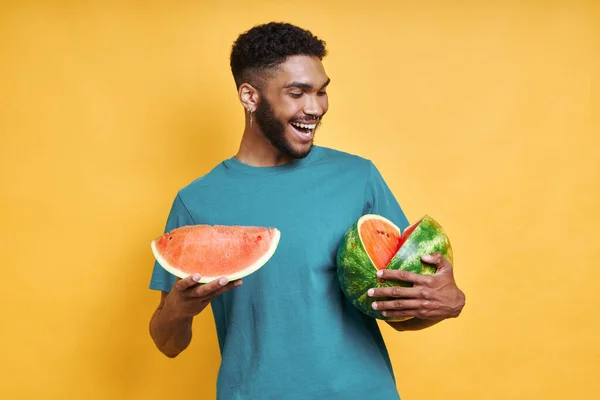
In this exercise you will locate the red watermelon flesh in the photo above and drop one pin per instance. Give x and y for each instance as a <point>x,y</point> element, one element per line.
<point>407,233</point>
<point>214,251</point>
<point>381,240</point>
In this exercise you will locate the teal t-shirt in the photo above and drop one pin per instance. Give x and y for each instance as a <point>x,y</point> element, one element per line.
<point>288,332</point>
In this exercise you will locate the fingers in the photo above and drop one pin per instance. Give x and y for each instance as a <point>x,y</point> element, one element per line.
<point>401,275</point>
<point>404,314</point>
<point>401,308</point>
<point>404,304</point>
<point>223,289</point>
<point>184,284</point>
<point>214,288</point>
<point>395,291</point>
<point>436,259</point>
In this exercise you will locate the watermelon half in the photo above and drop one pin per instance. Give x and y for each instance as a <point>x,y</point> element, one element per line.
<point>214,251</point>
<point>374,243</point>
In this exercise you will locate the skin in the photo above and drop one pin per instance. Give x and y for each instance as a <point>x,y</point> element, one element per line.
<point>296,92</point>
<point>431,299</point>
<point>171,323</point>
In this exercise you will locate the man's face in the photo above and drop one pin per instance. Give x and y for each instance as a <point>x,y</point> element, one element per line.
<point>292,104</point>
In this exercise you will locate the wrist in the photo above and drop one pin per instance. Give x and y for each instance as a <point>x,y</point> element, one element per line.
<point>413,324</point>
<point>461,304</point>
<point>172,311</point>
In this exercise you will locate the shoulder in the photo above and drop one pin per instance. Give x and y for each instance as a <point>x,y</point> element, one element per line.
<point>202,182</point>
<point>330,155</point>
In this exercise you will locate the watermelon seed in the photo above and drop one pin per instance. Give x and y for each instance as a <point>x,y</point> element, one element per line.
<point>379,231</point>
<point>382,281</point>
<point>170,237</point>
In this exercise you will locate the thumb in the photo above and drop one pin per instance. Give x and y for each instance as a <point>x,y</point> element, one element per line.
<point>183,284</point>
<point>436,259</point>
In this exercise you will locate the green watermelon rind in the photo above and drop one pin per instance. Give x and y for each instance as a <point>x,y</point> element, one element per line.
<point>231,277</point>
<point>357,273</point>
<point>429,237</point>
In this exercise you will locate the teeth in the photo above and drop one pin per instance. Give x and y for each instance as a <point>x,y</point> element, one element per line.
<point>305,126</point>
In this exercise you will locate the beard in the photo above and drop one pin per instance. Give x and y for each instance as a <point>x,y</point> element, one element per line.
<point>274,130</point>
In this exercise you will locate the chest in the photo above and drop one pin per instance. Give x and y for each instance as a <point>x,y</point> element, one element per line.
<point>312,213</point>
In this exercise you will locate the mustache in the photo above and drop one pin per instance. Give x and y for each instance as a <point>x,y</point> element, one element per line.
<point>307,120</point>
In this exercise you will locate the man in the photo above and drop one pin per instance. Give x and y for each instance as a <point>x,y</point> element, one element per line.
<point>288,332</point>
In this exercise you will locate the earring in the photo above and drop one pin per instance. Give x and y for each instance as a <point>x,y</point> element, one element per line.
<point>251,117</point>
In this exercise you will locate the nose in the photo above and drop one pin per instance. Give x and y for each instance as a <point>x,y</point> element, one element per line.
<point>313,106</point>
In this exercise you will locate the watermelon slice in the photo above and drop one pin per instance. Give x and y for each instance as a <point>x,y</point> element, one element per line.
<point>381,239</point>
<point>214,251</point>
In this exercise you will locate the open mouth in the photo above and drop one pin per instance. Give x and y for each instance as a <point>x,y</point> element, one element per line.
<point>304,130</point>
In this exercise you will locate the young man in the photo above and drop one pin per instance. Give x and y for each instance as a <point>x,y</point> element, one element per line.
<point>288,332</point>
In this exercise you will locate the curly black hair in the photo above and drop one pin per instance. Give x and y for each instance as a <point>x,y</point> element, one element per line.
<point>262,48</point>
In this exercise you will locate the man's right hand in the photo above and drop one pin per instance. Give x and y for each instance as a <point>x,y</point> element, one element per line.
<point>171,323</point>
<point>188,298</point>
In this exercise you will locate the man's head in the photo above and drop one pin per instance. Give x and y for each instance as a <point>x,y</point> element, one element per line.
<point>280,79</point>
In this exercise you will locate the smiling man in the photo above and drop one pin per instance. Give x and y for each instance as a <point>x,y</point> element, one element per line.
<point>288,332</point>
<point>286,100</point>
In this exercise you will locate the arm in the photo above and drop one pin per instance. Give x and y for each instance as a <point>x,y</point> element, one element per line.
<point>413,324</point>
<point>171,323</point>
<point>430,300</point>
<point>171,334</point>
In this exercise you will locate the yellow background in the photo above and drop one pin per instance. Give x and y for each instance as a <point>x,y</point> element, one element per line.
<point>483,114</point>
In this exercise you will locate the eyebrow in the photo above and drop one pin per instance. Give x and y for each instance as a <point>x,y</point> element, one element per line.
<point>301,85</point>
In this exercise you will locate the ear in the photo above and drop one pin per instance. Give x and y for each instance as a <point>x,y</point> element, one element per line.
<point>248,96</point>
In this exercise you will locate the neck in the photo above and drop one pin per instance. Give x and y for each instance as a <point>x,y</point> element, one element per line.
<point>256,150</point>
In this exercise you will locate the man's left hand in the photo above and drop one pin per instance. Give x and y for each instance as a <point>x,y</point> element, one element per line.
<point>432,297</point>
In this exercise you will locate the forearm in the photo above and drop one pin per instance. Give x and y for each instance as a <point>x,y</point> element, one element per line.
<point>413,324</point>
<point>171,335</point>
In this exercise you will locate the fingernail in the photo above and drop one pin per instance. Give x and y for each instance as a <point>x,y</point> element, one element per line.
<point>374,305</point>
<point>384,313</point>
<point>370,292</point>
<point>238,283</point>
<point>223,281</point>
<point>196,277</point>
<point>379,273</point>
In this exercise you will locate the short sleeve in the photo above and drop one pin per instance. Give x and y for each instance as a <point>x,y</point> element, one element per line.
<point>178,216</point>
<point>380,200</point>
